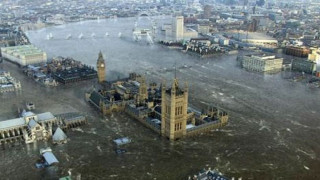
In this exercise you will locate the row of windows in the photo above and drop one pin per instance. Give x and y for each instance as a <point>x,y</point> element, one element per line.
<point>178,110</point>
<point>178,126</point>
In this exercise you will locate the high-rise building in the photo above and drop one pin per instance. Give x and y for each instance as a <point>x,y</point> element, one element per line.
<point>174,113</point>
<point>261,63</point>
<point>101,68</point>
<point>207,11</point>
<point>305,66</point>
<point>314,55</point>
<point>178,27</point>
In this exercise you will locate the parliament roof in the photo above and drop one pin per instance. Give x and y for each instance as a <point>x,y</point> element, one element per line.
<point>95,97</point>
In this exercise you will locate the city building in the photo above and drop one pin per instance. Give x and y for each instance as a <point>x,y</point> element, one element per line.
<point>261,63</point>
<point>174,106</point>
<point>12,36</point>
<point>298,51</point>
<point>31,127</point>
<point>203,29</point>
<point>164,110</point>
<point>305,66</point>
<point>256,39</point>
<point>74,75</point>
<point>24,55</point>
<point>8,83</point>
<point>101,68</point>
<point>224,42</point>
<point>119,94</point>
<point>314,55</point>
<point>203,47</point>
<point>60,70</point>
<point>178,27</point>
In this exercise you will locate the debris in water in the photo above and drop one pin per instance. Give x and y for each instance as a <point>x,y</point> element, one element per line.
<point>99,148</point>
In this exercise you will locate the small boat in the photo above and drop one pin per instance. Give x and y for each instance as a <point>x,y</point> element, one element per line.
<point>120,35</point>
<point>107,34</point>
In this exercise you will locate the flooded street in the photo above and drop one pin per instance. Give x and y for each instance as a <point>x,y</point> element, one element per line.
<point>273,130</point>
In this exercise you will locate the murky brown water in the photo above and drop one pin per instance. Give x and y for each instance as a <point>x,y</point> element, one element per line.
<point>272,134</point>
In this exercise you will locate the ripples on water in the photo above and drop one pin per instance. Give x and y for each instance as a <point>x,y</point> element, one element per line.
<point>273,129</point>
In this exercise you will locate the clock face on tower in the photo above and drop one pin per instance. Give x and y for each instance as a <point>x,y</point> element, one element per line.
<point>102,65</point>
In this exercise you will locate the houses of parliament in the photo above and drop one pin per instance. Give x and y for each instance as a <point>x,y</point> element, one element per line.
<point>163,109</point>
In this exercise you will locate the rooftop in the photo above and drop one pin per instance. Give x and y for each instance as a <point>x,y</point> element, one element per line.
<point>59,135</point>
<point>45,116</point>
<point>252,35</point>
<point>24,50</point>
<point>50,158</point>
<point>75,73</point>
<point>12,123</point>
<point>264,57</point>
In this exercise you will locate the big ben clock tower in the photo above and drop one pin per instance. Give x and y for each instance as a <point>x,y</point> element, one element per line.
<point>101,68</point>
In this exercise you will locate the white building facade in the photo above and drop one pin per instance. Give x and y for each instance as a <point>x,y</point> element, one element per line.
<point>8,83</point>
<point>24,55</point>
<point>30,127</point>
<point>262,63</point>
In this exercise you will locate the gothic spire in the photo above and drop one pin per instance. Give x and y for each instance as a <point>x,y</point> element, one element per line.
<point>100,56</point>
